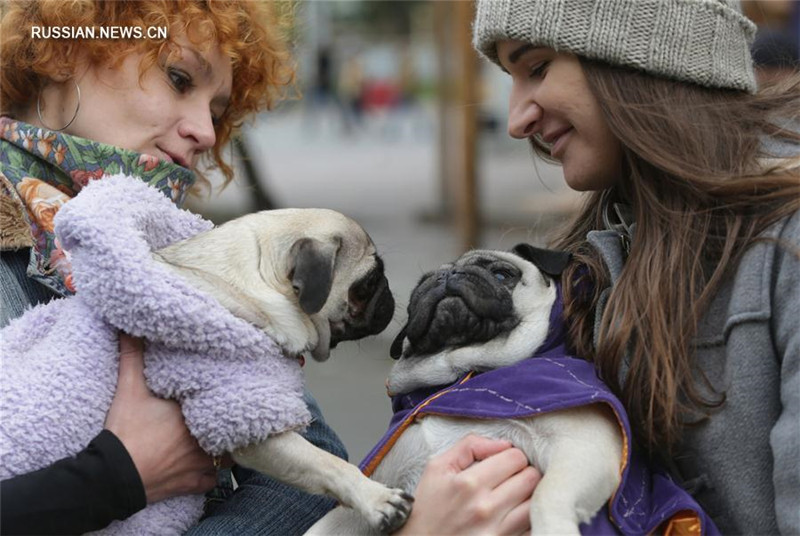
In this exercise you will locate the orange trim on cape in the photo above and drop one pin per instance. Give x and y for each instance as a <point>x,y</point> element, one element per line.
<point>681,524</point>
<point>376,460</point>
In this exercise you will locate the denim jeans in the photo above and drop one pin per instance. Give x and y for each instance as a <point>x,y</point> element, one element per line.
<point>17,291</point>
<point>261,505</point>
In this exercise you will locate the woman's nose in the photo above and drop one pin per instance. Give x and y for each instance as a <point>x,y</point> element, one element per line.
<point>200,128</point>
<point>523,114</point>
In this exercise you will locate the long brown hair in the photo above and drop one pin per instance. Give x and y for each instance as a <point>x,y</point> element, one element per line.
<point>702,183</point>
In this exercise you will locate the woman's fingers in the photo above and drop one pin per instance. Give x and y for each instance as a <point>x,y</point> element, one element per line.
<point>477,486</point>
<point>168,458</point>
<point>131,366</point>
<point>518,520</point>
<point>517,492</point>
<point>470,449</point>
<point>506,463</point>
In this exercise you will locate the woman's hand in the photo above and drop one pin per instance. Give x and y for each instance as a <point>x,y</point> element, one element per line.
<point>478,486</point>
<point>168,458</point>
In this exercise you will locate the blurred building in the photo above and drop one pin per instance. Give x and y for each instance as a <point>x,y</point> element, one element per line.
<point>776,50</point>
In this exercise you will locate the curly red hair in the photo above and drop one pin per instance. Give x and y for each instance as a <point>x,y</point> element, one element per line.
<point>252,34</point>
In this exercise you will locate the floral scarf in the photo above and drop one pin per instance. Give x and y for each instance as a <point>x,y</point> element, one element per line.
<point>40,170</point>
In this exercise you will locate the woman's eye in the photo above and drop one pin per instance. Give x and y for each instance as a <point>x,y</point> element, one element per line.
<point>181,81</point>
<point>539,69</point>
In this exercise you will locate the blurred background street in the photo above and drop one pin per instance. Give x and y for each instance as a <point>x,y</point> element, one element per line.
<point>403,129</point>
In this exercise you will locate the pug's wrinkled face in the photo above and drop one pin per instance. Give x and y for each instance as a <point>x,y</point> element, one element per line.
<point>469,301</point>
<point>485,310</point>
<point>366,309</point>
<point>311,278</point>
<point>336,275</point>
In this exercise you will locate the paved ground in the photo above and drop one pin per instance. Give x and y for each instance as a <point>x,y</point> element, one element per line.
<point>384,176</point>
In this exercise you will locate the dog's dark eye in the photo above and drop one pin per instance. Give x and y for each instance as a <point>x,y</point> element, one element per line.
<point>501,274</point>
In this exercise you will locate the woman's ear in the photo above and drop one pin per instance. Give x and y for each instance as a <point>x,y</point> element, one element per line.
<point>61,76</point>
<point>67,63</point>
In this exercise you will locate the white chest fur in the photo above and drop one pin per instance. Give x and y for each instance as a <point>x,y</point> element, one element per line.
<point>578,450</point>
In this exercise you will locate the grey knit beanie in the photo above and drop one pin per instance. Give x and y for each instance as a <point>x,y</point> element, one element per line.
<point>706,42</point>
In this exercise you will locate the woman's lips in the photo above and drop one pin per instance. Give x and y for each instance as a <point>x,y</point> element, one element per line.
<point>557,149</point>
<point>174,158</point>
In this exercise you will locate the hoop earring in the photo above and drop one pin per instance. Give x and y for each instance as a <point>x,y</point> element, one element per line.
<point>77,109</point>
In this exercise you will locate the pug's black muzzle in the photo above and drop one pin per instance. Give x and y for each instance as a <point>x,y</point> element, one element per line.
<point>370,308</point>
<point>456,307</point>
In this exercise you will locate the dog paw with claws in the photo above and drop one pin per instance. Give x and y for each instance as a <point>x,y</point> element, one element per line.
<point>396,518</point>
<point>387,510</point>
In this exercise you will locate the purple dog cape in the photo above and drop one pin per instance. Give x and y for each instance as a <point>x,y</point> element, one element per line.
<point>60,360</point>
<point>646,500</point>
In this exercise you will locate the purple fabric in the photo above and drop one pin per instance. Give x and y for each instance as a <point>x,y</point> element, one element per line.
<point>550,381</point>
<point>60,360</point>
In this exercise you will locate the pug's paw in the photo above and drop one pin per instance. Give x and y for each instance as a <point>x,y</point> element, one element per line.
<point>385,509</point>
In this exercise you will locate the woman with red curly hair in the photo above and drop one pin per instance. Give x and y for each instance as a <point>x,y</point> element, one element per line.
<point>153,106</point>
<point>74,110</point>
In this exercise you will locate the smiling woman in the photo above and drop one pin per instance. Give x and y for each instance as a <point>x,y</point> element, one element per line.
<point>573,129</point>
<point>683,289</point>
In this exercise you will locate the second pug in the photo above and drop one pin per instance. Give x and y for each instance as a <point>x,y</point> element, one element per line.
<point>484,352</point>
<point>487,310</point>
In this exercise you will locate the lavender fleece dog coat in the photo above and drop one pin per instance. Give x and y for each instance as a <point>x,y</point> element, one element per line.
<point>60,360</point>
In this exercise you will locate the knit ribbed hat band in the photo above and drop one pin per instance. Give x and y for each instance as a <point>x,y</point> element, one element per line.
<point>706,42</point>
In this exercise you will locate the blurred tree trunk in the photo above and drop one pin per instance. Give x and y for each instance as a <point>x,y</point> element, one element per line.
<point>458,113</point>
<point>252,178</point>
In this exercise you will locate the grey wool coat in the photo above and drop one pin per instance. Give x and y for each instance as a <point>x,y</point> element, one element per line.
<point>743,464</point>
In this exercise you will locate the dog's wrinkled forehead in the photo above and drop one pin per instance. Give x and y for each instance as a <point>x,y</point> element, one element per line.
<point>543,264</point>
<point>484,257</point>
<point>493,259</point>
<point>356,247</point>
<point>326,226</point>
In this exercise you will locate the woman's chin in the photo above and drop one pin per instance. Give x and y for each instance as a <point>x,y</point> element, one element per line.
<point>586,179</point>
<point>579,183</point>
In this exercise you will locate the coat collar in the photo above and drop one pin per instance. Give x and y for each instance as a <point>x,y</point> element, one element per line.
<point>40,170</point>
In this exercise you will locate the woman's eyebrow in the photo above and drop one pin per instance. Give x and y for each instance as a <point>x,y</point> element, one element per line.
<point>518,52</point>
<point>221,101</point>
<point>205,66</point>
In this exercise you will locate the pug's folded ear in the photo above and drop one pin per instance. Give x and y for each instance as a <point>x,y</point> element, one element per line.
<point>396,350</point>
<point>549,261</point>
<point>311,271</point>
